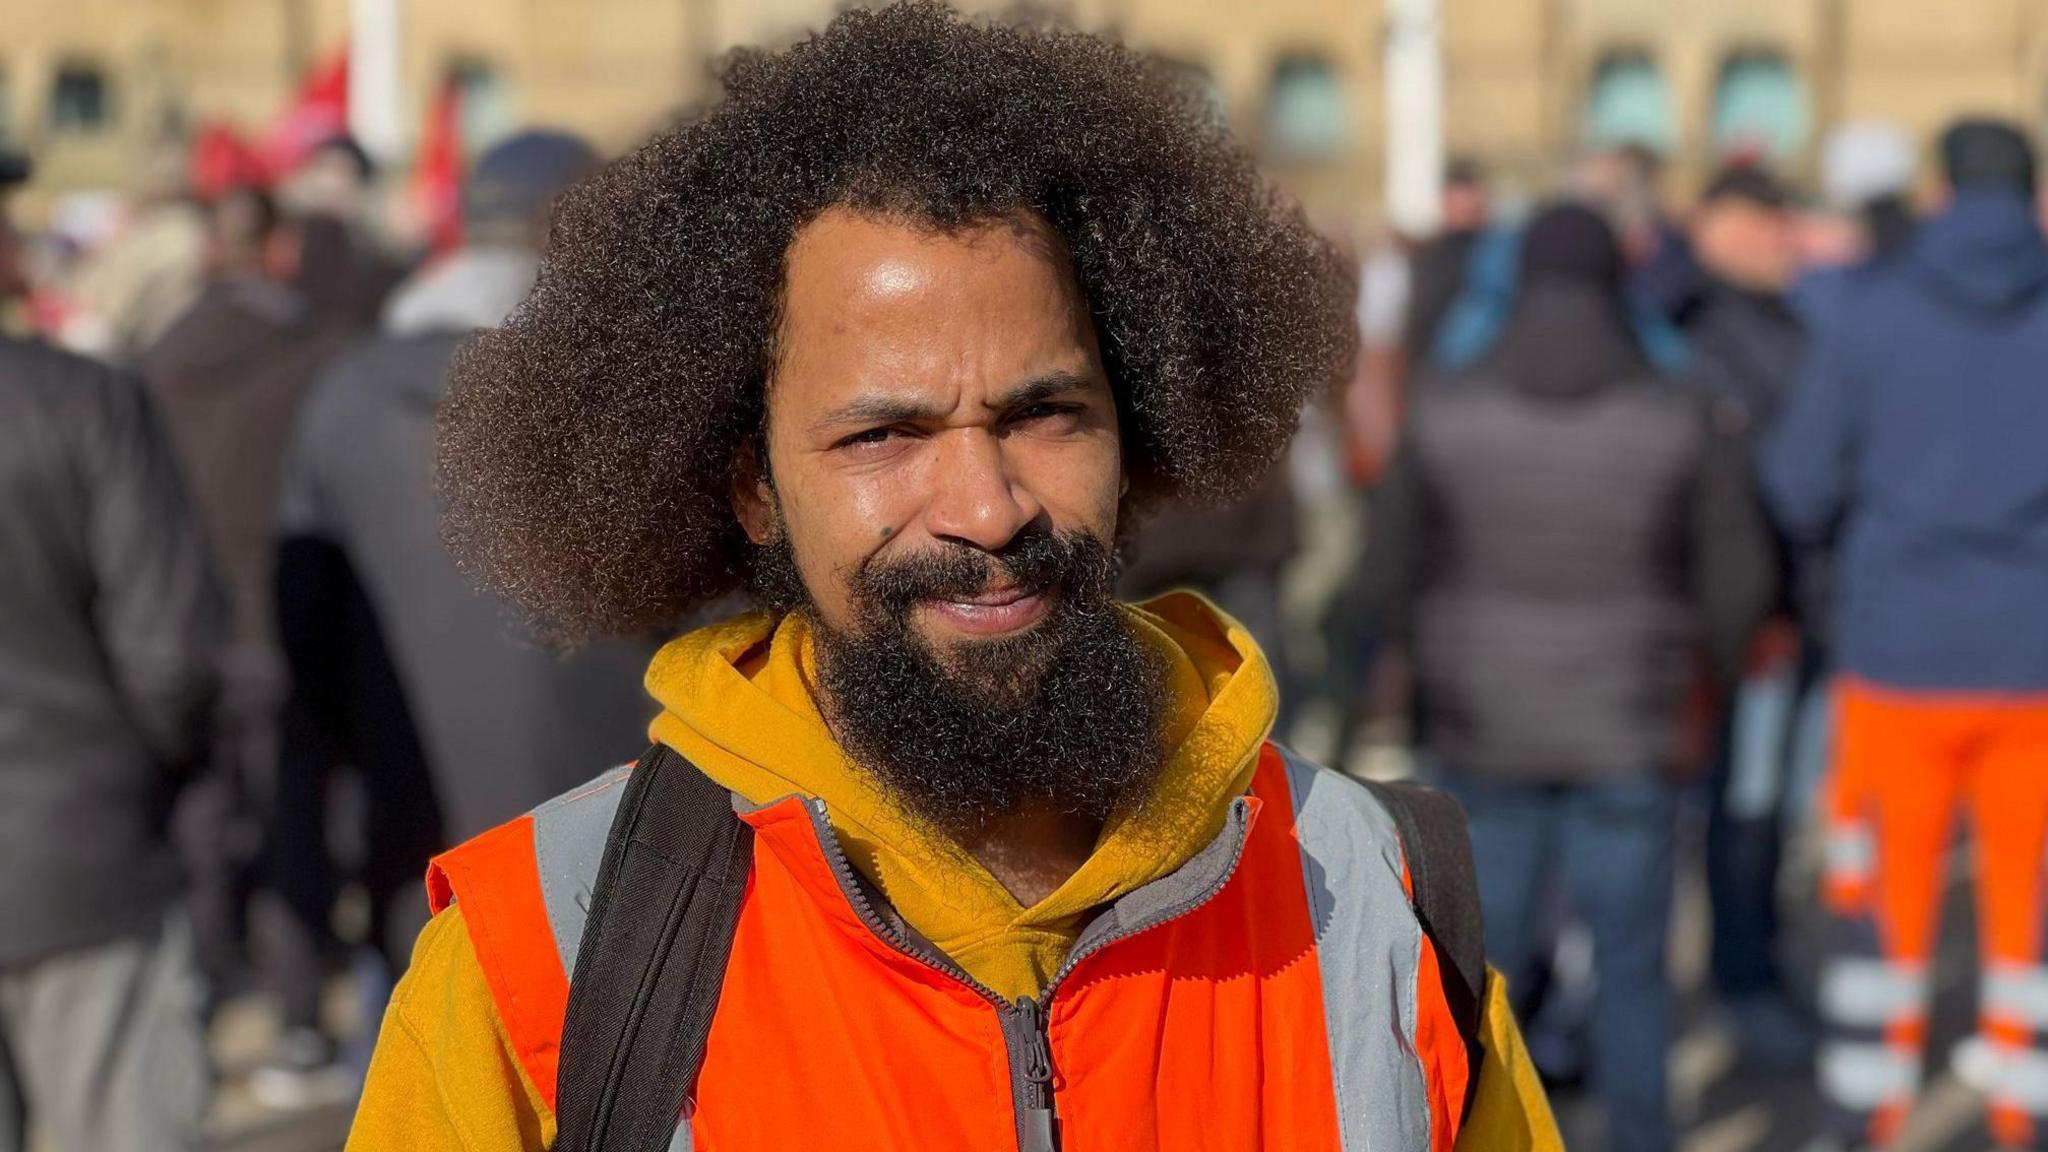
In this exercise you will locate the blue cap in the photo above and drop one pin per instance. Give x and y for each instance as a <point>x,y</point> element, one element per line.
<point>521,175</point>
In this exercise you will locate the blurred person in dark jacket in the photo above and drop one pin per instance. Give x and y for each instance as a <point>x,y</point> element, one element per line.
<point>1437,270</point>
<point>1745,340</point>
<point>1743,334</point>
<point>109,624</point>
<point>396,661</point>
<point>1627,183</point>
<point>1914,445</point>
<point>229,377</point>
<point>344,271</point>
<point>500,718</point>
<point>1561,535</point>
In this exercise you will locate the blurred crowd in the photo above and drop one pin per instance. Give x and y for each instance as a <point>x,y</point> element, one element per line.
<point>1633,515</point>
<point>1734,515</point>
<point>246,693</point>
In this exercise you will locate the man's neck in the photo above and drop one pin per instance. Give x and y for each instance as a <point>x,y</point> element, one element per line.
<point>1034,851</point>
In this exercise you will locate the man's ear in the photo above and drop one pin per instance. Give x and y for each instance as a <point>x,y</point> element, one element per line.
<point>753,495</point>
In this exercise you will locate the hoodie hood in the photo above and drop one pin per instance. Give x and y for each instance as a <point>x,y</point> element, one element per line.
<point>473,288</point>
<point>738,700</point>
<point>1985,254</point>
<point>1566,339</point>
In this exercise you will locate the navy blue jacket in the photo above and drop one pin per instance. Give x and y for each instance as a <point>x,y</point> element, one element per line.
<point>1916,442</point>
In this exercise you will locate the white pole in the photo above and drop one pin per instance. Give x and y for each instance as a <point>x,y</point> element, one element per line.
<point>1415,115</point>
<point>375,112</point>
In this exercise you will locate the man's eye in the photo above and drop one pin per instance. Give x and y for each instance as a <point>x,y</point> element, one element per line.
<point>871,436</point>
<point>1046,411</point>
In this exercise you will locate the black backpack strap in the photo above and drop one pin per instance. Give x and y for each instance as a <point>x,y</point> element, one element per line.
<point>1438,847</point>
<point>653,958</point>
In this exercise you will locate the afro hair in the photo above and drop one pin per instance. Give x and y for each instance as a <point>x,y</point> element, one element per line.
<point>587,446</point>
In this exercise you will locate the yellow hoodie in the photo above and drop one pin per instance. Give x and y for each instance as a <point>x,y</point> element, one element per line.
<point>1222,703</point>
<point>738,701</point>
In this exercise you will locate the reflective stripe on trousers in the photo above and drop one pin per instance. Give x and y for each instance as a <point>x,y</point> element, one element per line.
<point>2013,1026</point>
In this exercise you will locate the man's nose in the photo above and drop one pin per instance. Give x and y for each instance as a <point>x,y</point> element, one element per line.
<point>977,501</point>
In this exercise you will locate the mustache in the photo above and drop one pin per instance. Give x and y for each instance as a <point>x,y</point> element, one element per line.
<point>1076,564</point>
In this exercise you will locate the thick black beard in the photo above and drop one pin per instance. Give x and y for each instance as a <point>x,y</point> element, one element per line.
<point>1066,716</point>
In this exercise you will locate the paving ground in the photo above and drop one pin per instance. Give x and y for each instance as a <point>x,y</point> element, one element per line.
<point>241,1123</point>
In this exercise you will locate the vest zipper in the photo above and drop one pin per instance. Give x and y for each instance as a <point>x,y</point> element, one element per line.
<point>1039,1120</point>
<point>1024,1024</point>
<point>1021,1041</point>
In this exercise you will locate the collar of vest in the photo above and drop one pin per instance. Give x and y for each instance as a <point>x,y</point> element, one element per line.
<point>798,831</point>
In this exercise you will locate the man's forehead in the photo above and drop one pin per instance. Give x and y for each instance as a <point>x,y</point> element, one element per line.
<point>868,293</point>
<point>886,256</point>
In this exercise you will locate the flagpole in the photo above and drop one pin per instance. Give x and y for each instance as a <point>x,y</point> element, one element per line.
<point>1415,115</point>
<point>375,112</point>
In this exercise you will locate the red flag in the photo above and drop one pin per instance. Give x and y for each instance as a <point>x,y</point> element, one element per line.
<point>437,171</point>
<point>318,114</point>
<point>223,159</point>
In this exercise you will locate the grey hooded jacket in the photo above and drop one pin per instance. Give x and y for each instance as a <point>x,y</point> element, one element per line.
<point>504,722</point>
<point>1565,544</point>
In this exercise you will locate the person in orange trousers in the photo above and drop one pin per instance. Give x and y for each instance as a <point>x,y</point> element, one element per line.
<point>1913,445</point>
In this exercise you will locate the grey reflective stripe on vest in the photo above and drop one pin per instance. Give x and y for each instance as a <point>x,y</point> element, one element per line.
<point>569,834</point>
<point>1369,947</point>
<point>568,846</point>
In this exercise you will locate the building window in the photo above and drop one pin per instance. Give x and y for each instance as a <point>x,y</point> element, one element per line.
<point>1629,103</point>
<point>80,104</point>
<point>485,109</point>
<point>1305,108</point>
<point>1760,108</point>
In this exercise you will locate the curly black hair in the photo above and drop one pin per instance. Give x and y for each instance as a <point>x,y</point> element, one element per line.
<point>587,446</point>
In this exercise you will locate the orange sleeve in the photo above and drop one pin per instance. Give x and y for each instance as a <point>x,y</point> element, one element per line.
<point>444,1077</point>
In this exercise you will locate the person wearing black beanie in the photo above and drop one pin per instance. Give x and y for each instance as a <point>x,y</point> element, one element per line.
<point>1982,153</point>
<point>1558,530</point>
<point>1571,241</point>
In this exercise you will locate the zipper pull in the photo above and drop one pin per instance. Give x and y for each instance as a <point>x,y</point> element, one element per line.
<point>1040,1120</point>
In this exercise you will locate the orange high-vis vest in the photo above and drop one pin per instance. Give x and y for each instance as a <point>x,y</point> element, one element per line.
<point>1275,992</point>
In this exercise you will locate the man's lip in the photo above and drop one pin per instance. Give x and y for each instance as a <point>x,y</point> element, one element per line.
<point>988,613</point>
<point>987,598</point>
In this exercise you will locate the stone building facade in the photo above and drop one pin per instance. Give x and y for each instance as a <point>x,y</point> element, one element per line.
<point>89,86</point>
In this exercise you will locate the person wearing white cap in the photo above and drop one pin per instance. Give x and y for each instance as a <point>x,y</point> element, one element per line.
<point>1867,169</point>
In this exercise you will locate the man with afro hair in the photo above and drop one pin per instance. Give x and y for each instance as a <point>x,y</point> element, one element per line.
<point>940,846</point>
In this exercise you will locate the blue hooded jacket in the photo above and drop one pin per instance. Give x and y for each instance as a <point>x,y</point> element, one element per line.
<point>1916,442</point>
